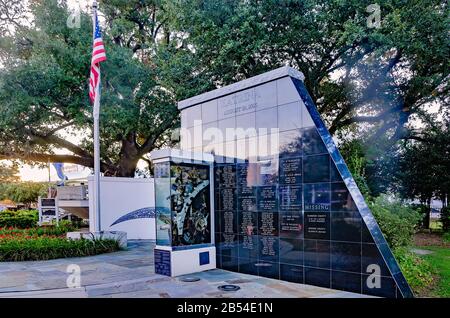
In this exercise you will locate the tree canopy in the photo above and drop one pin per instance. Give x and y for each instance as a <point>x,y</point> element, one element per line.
<point>363,79</point>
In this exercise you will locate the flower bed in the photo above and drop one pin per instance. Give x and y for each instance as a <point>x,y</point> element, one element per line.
<point>48,243</point>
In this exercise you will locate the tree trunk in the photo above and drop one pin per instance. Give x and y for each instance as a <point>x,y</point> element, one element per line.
<point>129,157</point>
<point>127,167</point>
<point>426,219</point>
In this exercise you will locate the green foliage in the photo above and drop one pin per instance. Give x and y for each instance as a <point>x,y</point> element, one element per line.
<point>45,248</point>
<point>9,173</point>
<point>61,229</point>
<point>353,153</point>
<point>397,221</point>
<point>446,237</point>
<point>417,271</point>
<point>21,219</point>
<point>445,219</point>
<point>423,169</point>
<point>23,192</point>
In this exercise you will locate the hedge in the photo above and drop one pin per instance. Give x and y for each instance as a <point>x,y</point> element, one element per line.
<point>398,222</point>
<point>21,219</point>
<point>45,248</point>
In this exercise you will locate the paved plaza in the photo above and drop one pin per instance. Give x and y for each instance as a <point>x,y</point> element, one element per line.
<point>130,273</point>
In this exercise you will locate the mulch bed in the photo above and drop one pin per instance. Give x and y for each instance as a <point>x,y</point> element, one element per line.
<point>429,239</point>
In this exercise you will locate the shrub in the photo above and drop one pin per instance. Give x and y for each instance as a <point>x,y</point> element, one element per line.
<point>45,248</point>
<point>446,237</point>
<point>445,218</point>
<point>417,271</point>
<point>398,222</point>
<point>61,229</point>
<point>18,219</point>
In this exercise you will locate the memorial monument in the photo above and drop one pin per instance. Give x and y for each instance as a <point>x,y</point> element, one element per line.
<point>285,203</point>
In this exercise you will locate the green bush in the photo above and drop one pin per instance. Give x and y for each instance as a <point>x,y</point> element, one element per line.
<point>446,237</point>
<point>45,248</point>
<point>417,271</point>
<point>398,222</point>
<point>17,220</point>
<point>445,218</point>
<point>61,229</point>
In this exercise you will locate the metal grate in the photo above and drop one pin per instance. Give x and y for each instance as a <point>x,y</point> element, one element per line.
<point>229,288</point>
<point>189,279</point>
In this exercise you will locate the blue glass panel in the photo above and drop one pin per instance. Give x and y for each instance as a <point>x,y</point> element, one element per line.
<point>346,256</point>
<point>387,287</point>
<point>317,277</point>
<point>225,175</point>
<point>218,260</point>
<point>247,200</point>
<point>268,223</point>
<point>230,263</point>
<point>269,270</point>
<point>268,248</point>
<point>317,197</point>
<point>266,120</point>
<point>371,255</point>
<point>247,175</point>
<point>402,286</point>
<point>228,222</point>
<point>290,144</point>
<point>291,251</point>
<point>350,282</point>
<point>217,218</point>
<point>341,200</point>
<point>248,222</point>
<point>248,266</point>
<point>289,116</point>
<point>335,175</point>
<point>365,234</point>
<point>291,273</point>
<point>346,226</point>
<point>316,169</point>
<point>312,142</point>
<point>317,225</point>
<point>248,246</point>
<point>291,225</point>
<point>268,171</point>
<point>227,199</point>
<point>317,253</point>
<point>228,245</point>
<point>389,259</point>
<point>267,199</point>
<point>290,198</point>
<point>290,171</point>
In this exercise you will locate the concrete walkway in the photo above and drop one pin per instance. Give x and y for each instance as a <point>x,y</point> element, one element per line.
<point>130,273</point>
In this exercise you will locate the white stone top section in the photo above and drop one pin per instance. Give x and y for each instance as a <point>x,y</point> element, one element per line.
<point>239,86</point>
<point>168,154</point>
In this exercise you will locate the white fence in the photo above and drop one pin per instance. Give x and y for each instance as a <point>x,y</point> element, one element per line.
<point>126,204</point>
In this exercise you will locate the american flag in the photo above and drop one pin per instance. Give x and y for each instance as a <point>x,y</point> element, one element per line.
<point>98,55</point>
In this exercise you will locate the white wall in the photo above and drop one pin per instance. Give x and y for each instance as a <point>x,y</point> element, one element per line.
<point>120,196</point>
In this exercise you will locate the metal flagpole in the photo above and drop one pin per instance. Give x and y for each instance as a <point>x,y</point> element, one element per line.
<point>96,115</point>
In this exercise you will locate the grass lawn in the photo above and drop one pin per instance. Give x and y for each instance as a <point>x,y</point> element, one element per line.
<point>440,261</point>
